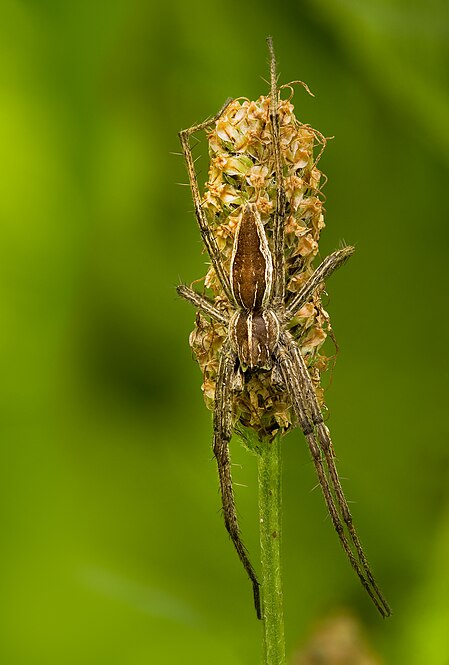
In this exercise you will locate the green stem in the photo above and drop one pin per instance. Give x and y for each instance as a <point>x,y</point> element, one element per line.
<point>269,472</point>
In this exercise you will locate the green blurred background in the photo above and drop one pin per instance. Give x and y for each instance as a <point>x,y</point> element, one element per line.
<point>112,548</point>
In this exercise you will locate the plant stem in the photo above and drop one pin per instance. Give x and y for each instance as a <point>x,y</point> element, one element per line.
<point>269,474</point>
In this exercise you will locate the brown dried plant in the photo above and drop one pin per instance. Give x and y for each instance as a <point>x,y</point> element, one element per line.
<point>241,172</point>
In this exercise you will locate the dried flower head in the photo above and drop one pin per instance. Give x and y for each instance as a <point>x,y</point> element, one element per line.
<point>242,170</point>
<point>260,329</point>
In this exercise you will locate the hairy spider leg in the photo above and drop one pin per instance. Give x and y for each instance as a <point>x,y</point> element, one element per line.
<point>204,304</point>
<point>223,426</point>
<point>324,270</point>
<point>325,443</point>
<point>279,211</point>
<point>206,232</point>
<point>306,408</point>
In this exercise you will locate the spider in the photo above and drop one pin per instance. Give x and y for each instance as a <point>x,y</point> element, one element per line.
<point>257,317</point>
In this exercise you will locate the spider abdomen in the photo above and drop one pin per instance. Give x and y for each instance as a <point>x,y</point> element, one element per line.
<point>254,336</point>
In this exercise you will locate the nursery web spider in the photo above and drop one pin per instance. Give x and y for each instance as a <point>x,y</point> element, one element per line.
<point>255,310</point>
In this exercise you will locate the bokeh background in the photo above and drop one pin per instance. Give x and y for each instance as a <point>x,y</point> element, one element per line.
<point>112,545</point>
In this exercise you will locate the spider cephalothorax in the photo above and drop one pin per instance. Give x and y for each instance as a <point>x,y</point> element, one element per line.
<point>258,332</point>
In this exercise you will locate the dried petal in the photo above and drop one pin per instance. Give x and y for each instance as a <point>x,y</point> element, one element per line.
<point>256,176</point>
<point>307,245</point>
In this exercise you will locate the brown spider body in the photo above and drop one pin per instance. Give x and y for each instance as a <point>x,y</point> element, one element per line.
<point>254,328</point>
<point>249,339</point>
<point>251,273</point>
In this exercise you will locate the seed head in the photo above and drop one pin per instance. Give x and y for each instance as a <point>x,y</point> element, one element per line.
<point>242,170</point>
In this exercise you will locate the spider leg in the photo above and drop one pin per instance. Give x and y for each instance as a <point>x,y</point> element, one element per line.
<point>205,305</point>
<point>206,232</point>
<point>306,407</point>
<point>326,446</point>
<point>279,211</point>
<point>324,270</point>
<point>222,436</point>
